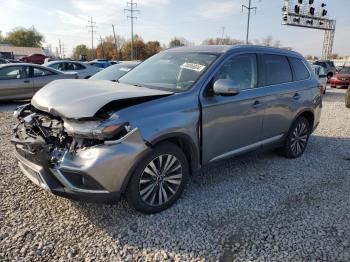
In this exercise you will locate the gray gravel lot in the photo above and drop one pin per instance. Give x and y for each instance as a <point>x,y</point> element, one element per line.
<point>257,207</point>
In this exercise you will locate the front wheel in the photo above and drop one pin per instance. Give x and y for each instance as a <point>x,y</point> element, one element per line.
<point>297,139</point>
<point>159,179</point>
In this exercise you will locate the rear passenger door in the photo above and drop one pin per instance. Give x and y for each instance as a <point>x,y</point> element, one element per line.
<point>41,77</point>
<point>284,90</point>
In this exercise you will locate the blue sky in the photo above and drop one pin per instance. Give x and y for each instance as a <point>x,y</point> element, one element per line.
<point>163,19</point>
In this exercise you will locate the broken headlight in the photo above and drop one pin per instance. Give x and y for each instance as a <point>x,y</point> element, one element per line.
<point>96,129</point>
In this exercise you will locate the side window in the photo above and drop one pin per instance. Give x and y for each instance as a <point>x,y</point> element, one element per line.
<point>58,66</point>
<point>322,72</point>
<point>78,66</point>
<point>242,69</point>
<point>300,70</point>
<point>277,69</point>
<point>38,72</point>
<point>13,72</point>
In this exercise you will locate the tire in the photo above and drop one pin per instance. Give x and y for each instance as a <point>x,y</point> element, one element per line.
<point>297,138</point>
<point>148,196</point>
<point>347,98</point>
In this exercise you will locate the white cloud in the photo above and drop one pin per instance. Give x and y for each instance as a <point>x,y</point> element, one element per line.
<point>218,10</point>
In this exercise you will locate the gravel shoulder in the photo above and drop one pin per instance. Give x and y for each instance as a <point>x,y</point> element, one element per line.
<point>256,207</point>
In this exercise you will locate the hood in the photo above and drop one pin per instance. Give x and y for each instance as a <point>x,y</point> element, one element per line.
<point>83,98</point>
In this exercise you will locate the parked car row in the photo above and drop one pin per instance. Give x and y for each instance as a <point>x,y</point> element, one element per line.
<point>21,81</point>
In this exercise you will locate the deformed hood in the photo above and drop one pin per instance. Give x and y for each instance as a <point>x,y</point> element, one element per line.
<point>83,98</point>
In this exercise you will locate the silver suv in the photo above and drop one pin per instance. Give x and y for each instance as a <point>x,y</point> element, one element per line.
<point>179,110</point>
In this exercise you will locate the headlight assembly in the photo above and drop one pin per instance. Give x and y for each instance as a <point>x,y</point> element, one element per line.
<point>95,129</point>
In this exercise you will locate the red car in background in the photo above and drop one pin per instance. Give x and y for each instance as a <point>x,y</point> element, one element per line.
<point>341,78</point>
<point>34,58</point>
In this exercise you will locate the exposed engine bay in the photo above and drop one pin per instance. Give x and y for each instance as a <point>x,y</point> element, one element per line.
<point>39,131</point>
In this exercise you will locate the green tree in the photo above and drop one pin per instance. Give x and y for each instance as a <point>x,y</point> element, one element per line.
<point>25,37</point>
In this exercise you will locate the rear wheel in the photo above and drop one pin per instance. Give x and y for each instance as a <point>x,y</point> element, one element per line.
<point>297,139</point>
<point>159,179</point>
<point>347,98</point>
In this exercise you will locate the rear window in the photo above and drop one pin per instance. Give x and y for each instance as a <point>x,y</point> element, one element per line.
<point>300,70</point>
<point>277,69</point>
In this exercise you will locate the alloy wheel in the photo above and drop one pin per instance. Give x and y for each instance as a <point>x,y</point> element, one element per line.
<point>299,138</point>
<point>160,180</point>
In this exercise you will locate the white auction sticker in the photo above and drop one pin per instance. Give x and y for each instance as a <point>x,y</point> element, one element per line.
<point>192,66</point>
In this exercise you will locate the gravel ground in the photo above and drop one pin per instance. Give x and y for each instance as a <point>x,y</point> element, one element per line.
<point>256,207</point>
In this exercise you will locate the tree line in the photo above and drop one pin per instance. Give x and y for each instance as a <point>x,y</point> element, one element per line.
<point>119,48</point>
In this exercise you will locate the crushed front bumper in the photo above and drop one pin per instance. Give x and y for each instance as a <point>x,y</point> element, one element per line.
<point>96,174</point>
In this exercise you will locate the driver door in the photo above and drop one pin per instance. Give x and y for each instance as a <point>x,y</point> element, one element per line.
<point>232,124</point>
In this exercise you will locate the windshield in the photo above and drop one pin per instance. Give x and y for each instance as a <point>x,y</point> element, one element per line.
<point>345,70</point>
<point>175,71</point>
<point>113,73</point>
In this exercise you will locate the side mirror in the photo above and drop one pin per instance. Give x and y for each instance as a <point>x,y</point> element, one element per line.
<point>226,87</point>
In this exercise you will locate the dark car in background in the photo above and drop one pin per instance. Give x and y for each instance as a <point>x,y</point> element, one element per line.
<point>34,58</point>
<point>114,72</point>
<point>328,66</point>
<point>177,111</point>
<point>341,78</point>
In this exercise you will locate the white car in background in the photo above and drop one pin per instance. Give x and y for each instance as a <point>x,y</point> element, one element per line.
<point>83,70</point>
<point>322,77</point>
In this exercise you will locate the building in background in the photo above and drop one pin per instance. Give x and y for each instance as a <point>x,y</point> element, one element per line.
<point>16,52</point>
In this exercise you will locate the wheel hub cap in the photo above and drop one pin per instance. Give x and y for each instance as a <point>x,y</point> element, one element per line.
<point>160,180</point>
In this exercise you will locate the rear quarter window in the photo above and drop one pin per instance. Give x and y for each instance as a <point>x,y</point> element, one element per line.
<point>299,68</point>
<point>277,69</point>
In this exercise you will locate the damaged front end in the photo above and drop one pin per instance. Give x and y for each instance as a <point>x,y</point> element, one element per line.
<point>79,159</point>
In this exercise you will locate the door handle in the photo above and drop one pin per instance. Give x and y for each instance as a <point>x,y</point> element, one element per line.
<point>257,104</point>
<point>296,96</point>
<point>26,81</point>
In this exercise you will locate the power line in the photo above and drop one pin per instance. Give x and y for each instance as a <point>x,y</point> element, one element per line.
<point>249,8</point>
<point>131,11</point>
<point>92,25</point>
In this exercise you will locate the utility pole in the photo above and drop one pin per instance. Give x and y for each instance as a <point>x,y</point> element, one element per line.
<point>249,8</point>
<point>103,51</point>
<point>222,36</point>
<point>115,41</point>
<point>60,47</point>
<point>131,11</point>
<point>92,25</point>
<point>63,51</point>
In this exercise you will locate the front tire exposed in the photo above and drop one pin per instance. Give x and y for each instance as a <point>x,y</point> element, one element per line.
<point>159,179</point>
<point>347,98</point>
<point>297,139</point>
